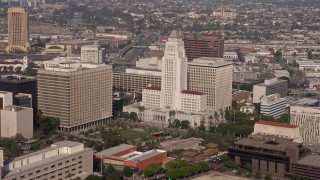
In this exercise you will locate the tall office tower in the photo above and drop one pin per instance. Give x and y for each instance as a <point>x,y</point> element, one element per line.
<point>80,95</point>
<point>174,72</point>
<point>18,29</point>
<point>93,53</point>
<point>203,45</point>
<point>212,76</point>
<point>5,99</point>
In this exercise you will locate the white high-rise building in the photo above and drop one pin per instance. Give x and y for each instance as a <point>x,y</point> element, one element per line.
<point>93,53</point>
<point>273,105</point>
<point>174,72</point>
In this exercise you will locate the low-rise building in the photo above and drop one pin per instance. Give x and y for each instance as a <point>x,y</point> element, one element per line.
<point>93,54</point>
<point>267,154</point>
<point>62,160</point>
<point>128,156</point>
<point>5,99</point>
<point>273,105</point>
<point>16,120</point>
<point>308,121</point>
<point>55,49</point>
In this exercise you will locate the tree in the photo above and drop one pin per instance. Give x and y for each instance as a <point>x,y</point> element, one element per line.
<point>268,177</point>
<point>310,55</point>
<point>151,170</point>
<point>30,71</point>
<point>172,113</point>
<point>221,114</point>
<point>278,55</point>
<point>93,177</point>
<point>17,69</point>
<point>127,172</point>
<point>110,169</point>
<point>133,116</point>
<point>258,175</point>
<point>210,120</point>
<point>141,110</point>
<point>248,167</point>
<point>185,124</point>
<point>176,123</point>
<point>216,116</point>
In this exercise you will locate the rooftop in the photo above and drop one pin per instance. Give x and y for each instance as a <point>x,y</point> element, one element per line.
<point>268,142</point>
<point>209,61</point>
<point>192,92</point>
<point>156,88</point>
<point>311,160</point>
<point>269,123</point>
<point>16,78</point>
<point>146,155</point>
<point>114,150</point>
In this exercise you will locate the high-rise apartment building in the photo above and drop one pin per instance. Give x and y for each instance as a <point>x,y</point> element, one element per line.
<point>80,95</point>
<point>63,160</point>
<point>93,53</point>
<point>268,87</point>
<point>308,120</point>
<point>203,45</point>
<point>18,29</point>
<point>212,76</point>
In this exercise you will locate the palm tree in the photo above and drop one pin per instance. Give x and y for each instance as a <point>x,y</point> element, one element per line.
<point>221,114</point>
<point>172,113</point>
<point>210,120</point>
<point>141,109</point>
<point>216,116</point>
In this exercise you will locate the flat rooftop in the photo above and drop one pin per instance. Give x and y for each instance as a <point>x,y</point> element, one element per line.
<point>311,160</point>
<point>114,150</point>
<point>267,142</point>
<point>17,79</point>
<point>269,123</point>
<point>146,155</point>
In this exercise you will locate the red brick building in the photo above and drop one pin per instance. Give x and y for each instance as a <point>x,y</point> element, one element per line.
<point>126,155</point>
<point>202,45</point>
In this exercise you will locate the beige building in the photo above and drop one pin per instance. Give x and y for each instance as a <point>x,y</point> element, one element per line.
<point>79,94</point>
<point>135,79</point>
<point>268,87</point>
<point>55,49</point>
<point>212,76</point>
<point>5,99</point>
<point>16,120</point>
<point>63,160</point>
<point>308,121</point>
<point>18,29</point>
<point>225,14</point>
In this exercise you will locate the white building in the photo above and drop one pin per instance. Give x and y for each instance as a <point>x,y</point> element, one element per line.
<point>277,129</point>
<point>273,105</point>
<point>16,120</point>
<point>173,93</point>
<point>93,53</point>
<point>270,86</point>
<point>6,99</point>
<point>151,63</point>
<point>63,160</point>
<point>308,120</point>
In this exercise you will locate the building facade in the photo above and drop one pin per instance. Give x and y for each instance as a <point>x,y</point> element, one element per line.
<point>5,99</point>
<point>308,121</point>
<point>203,45</point>
<point>267,154</point>
<point>135,80</point>
<point>268,87</point>
<point>18,29</point>
<point>93,53</point>
<point>62,160</point>
<point>273,105</point>
<point>80,95</point>
<point>212,76</point>
<point>16,120</point>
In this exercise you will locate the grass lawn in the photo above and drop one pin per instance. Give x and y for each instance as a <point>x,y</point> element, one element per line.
<point>131,134</point>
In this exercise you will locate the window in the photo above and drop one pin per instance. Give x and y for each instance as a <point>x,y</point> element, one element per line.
<point>53,166</point>
<point>52,177</point>
<point>80,157</point>
<point>59,164</point>
<point>30,174</point>
<point>21,177</point>
<point>38,171</point>
<point>73,159</point>
<point>45,168</point>
<point>60,174</point>
<point>67,162</point>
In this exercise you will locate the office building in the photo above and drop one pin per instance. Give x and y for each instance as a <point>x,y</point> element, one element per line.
<point>273,105</point>
<point>268,87</point>
<point>224,14</point>
<point>93,53</point>
<point>268,154</point>
<point>203,45</point>
<point>150,63</point>
<point>63,160</point>
<point>16,120</point>
<point>18,29</point>
<point>247,73</point>
<point>135,80</point>
<point>79,94</point>
<point>307,167</point>
<point>212,76</point>
<point>127,155</point>
<point>277,129</point>
<point>22,99</point>
<point>173,94</point>
<point>308,121</point>
<point>21,84</point>
<point>5,99</point>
